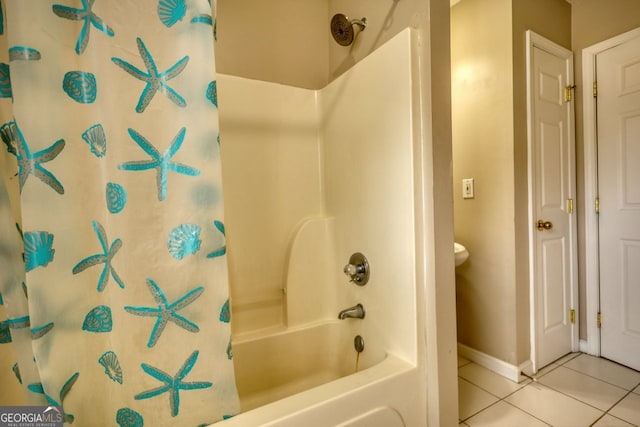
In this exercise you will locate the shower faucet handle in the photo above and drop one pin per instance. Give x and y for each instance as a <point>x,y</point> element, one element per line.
<point>357,269</point>
<point>352,270</point>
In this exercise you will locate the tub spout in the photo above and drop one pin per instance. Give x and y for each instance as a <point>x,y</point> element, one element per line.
<point>355,312</point>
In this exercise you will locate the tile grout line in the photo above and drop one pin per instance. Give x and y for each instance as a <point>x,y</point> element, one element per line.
<point>604,412</point>
<point>596,421</point>
<point>557,391</point>
<point>501,399</point>
<point>600,379</point>
<point>481,410</point>
<point>534,379</point>
<point>575,355</point>
<point>481,388</point>
<point>578,400</point>
<point>539,419</point>
<point>616,404</point>
<point>605,359</point>
<point>531,381</point>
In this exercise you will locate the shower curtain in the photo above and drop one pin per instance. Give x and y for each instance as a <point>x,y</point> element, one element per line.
<point>113,274</point>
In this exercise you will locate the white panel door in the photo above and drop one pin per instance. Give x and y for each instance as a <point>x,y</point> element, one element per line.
<point>552,182</point>
<point>618,107</point>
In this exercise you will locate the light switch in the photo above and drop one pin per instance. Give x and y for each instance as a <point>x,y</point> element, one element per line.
<point>467,188</point>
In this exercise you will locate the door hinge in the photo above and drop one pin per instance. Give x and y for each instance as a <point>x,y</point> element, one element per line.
<point>595,89</point>
<point>567,92</point>
<point>599,320</point>
<point>570,206</point>
<point>572,316</point>
<point>597,204</point>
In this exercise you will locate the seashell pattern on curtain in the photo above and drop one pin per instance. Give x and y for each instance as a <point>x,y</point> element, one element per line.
<point>114,295</point>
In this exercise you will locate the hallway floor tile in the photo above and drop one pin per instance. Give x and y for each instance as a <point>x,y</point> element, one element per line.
<point>576,390</point>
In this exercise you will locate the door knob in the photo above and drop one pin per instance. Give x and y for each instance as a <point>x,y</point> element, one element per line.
<point>544,225</point>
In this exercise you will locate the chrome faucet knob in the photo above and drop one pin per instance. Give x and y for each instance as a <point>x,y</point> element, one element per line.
<point>351,270</point>
<point>357,269</point>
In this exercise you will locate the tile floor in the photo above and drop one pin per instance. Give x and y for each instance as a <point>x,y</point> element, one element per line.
<point>577,390</point>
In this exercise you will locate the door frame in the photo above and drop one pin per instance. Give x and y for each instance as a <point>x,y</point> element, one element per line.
<point>535,40</point>
<point>592,262</point>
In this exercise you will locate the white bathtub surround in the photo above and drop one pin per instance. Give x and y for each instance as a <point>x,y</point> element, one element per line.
<point>270,146</point>
<point>345,166</point>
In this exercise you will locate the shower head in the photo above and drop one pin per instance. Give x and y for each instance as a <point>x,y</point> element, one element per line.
<point>342,28</point>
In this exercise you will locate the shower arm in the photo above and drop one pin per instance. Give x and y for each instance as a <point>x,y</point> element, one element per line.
<point>362,23</point>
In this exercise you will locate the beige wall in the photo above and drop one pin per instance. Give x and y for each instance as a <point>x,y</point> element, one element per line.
<point>482,128</point>
<point>289,41</point>
<point>490,145</point>
<point>576,26</point>
<point>593,21</point>
<point>281,41</point>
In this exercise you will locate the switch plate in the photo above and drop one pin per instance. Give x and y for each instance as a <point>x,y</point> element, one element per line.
<point>467,188</point>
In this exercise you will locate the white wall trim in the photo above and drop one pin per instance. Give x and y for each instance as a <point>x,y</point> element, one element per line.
<point>584,346</point>
<point>496,365</point>
<point>533,355</point>
<point>592,267</point>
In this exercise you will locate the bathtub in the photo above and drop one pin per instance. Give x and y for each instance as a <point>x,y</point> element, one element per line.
<point>306,377</point>
<point>294,361</point>
<point>275,366</point>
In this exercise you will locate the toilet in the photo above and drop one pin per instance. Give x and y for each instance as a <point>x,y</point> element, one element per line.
<point>460,254</point>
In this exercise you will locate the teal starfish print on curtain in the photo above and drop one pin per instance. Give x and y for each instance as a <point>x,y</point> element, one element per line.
<point>173,385</point>
<point>106,257</point>
<point>30,163</point>
<point>166,312</point>
<point>156,81</point>
<point>160,162</point>
<point>88,17</point>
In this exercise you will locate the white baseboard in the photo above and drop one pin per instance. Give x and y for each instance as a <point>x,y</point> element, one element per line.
<point>496,365</point>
